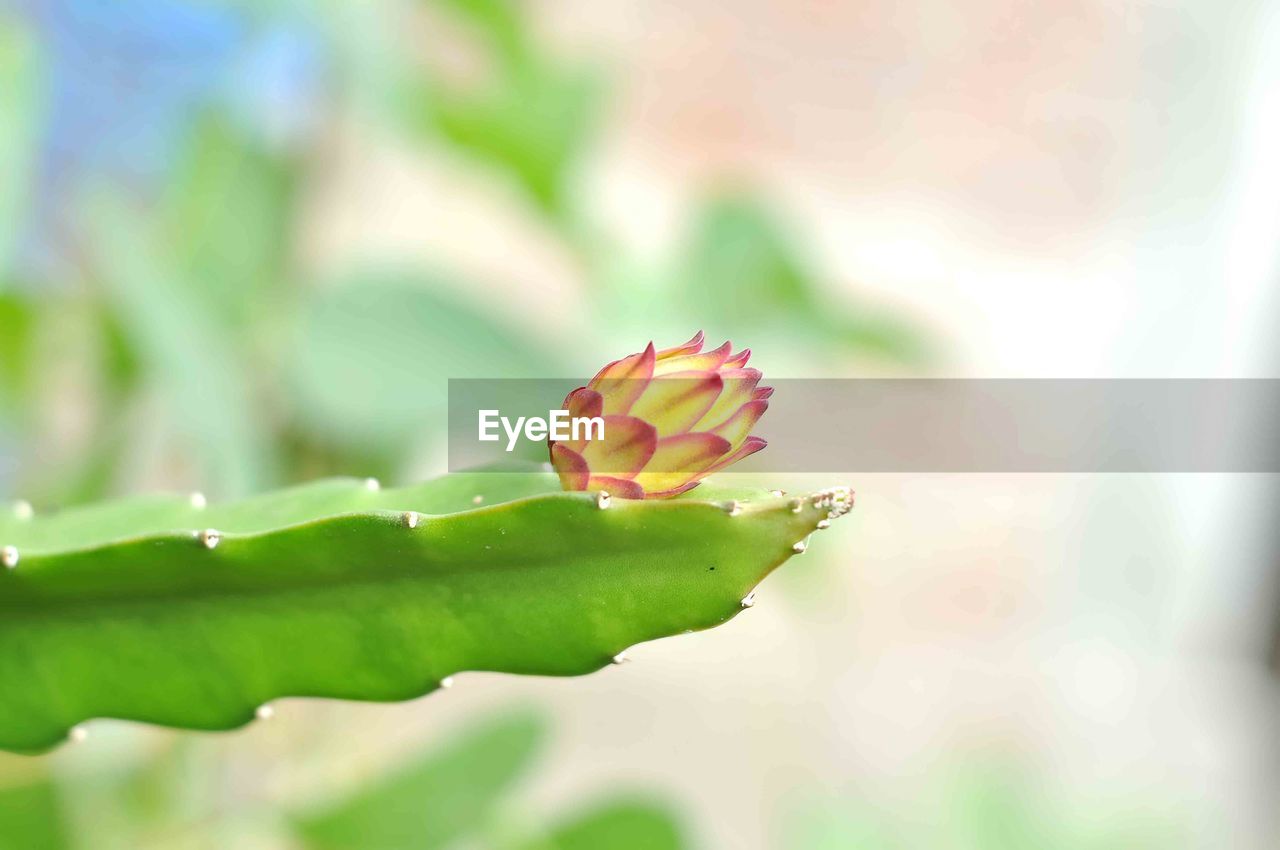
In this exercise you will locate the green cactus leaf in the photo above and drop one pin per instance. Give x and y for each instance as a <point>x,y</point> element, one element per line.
<point>617,824</point>
<point>32,817</point>
<point>168,611</point>
<point>436,800</point>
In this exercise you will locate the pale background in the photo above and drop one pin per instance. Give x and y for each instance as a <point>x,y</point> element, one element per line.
<point>1067,189</point>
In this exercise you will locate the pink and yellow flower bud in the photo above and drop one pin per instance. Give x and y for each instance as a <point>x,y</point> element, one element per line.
<point>671,418</point>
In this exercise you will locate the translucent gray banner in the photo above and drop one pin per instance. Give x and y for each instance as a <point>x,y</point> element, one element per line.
<point>926,425</point>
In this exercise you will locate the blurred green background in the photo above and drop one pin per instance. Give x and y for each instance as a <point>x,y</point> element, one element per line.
<point>246,244</point>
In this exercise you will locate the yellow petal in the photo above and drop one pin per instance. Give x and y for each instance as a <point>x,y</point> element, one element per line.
<point>627,446</point>
<point>680,459</point>
<point>699,362</point>
<point>693,346</point>
<point>622,381</point>
<point>738,427</point>
<point>739,384</point>
<point>673,403</point>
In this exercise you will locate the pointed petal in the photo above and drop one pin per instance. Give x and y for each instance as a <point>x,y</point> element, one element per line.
<point>680,459</point>
<point>584,402</point>
<point>674,491</point>
<point>738,427</point>
<point>762,392</point>
<point>705,361</point>
<point>738,387</point>
<point>627,446</point>
<point>738,360</point>
<point>673,403</point>
<point>622,382</point>
<point>749,447</point>
<point>668,482</point>
<point>619,488</point>
<point>693,346</point>
<point>570,466</point>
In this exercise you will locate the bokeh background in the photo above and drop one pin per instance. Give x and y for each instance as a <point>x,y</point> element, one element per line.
<point>246,243</point>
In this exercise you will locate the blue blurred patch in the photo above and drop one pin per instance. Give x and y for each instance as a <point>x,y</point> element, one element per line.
<point>127,78</point>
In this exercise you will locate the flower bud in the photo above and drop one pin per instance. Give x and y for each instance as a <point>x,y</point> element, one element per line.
<point>671,418</point>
